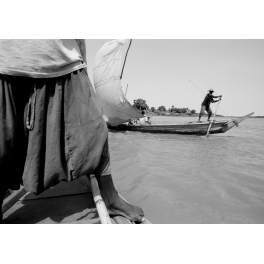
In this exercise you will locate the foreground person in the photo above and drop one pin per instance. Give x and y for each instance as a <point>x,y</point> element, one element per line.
<point>51,124</point>
<point>206,104</point>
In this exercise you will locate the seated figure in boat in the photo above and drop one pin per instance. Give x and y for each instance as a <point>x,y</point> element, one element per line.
<point>133,122</point>
<point>51,123</point>
<point>206,104</point>
<point>144,120</point>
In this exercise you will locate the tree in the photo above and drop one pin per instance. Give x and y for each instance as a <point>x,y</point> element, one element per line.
<point>193,111</point>
<point>153,109</point>
<point>162,108</point>
<point>140,104</point>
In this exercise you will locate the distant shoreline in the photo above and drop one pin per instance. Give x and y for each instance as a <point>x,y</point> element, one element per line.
<point>196,115</point>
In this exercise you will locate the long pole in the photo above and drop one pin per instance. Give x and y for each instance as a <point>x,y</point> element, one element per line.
<point>213,119</point>
<point>99,203</point>
<point>125,59</point>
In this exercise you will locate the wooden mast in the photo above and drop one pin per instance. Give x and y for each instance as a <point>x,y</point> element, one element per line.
<point>125,59</point>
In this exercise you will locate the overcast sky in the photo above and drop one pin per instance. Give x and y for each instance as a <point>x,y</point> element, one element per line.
<point>179,72</point>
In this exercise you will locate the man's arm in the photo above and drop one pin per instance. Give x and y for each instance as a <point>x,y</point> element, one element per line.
<point>220,97</point>
<point>82,47</point>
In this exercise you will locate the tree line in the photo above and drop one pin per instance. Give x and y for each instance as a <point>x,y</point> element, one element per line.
<point>141,104</point>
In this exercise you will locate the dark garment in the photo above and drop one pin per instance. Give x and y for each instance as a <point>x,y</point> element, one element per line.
<point>208,99</point>
<point>14,96</point>
<point>207,108</point>
<point>67,137</point>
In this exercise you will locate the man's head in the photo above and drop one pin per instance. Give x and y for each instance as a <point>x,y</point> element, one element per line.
<point>211,91</point>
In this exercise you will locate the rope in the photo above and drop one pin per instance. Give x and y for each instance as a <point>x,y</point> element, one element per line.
<point>180,72</point>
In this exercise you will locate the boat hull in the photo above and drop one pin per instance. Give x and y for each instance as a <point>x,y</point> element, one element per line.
<point>192,128</point>
<point>65,203</point>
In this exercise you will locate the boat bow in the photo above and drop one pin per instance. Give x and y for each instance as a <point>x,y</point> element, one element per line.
<point>235,122</point>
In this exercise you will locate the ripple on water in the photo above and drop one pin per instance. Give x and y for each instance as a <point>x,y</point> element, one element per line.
<point>192,179</point>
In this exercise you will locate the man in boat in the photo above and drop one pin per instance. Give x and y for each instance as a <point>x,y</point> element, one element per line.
<point>51,124</point>
<point>132,122</point>
<point>206,104</point>
<point>144,120</point>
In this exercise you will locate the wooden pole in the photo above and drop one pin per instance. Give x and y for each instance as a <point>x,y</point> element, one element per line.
<point>213,119</point>
<point>126,90</point>
<point>98,200</point>
<point>125,59</point>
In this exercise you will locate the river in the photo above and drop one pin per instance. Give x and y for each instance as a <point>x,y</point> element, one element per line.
<point>186,179</point>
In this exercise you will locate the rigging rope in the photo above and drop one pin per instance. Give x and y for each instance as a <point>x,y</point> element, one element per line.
<point>180,71</point>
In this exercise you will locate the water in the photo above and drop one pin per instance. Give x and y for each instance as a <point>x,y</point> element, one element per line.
<point>192,179</point>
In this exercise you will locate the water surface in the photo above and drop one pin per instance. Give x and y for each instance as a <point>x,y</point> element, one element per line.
<point>192,179</point>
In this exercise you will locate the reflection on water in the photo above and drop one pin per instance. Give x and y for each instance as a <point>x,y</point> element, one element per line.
<point>192,179</point>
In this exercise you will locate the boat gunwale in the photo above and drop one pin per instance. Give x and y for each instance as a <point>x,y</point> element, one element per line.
<point>173,125</point>
<point>196,128</point>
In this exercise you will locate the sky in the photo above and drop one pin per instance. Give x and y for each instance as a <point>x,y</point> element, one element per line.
<point>179,72</point>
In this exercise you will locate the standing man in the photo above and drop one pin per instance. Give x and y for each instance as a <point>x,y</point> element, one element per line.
<point>206,104</point>
<point>51,123</point>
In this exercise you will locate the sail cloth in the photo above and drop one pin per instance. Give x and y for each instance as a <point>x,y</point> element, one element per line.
<point>107,72</point>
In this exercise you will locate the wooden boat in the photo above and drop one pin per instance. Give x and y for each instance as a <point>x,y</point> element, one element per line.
<point>76,202</point>
<point>188,128</point>
<point>107,74</point>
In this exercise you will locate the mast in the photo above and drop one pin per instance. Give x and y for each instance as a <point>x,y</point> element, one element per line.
<point>107,74</point>
<point>125,59</point>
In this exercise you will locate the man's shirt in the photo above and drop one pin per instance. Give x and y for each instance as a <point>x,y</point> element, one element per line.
<point>40,58</point>
<point>208,99</point>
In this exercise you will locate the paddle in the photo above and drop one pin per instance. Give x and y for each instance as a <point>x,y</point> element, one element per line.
<point>213,118</point>
<point>99,203</point>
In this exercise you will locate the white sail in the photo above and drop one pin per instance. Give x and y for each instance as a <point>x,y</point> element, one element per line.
<point>107,75</point>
